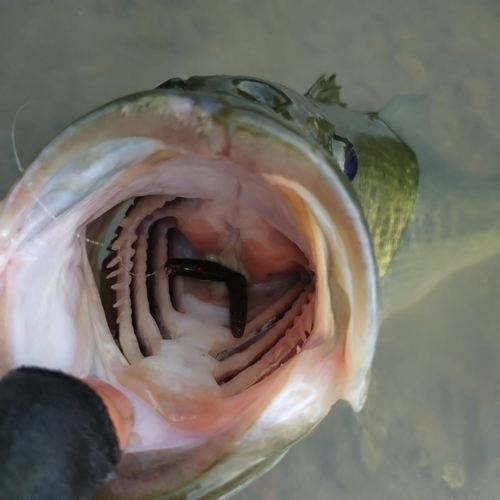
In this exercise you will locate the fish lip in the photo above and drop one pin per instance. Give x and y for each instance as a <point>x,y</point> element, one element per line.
<point>238,124</point>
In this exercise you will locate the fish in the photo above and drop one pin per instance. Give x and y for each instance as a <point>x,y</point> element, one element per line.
<point>222,250</point>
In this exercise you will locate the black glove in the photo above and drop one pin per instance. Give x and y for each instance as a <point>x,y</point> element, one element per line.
<point>57,440</point>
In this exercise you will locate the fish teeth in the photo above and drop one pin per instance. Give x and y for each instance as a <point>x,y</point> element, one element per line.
<point>120,317</point>
<point>114,262</point>
<point>112,274</point>
<point>130,239</point>
<point>119,242</point>
<point>120,302</point>
<point>128,266</point>
<point>119,286</point>
<point>303,335</point>
<point>126,222</point>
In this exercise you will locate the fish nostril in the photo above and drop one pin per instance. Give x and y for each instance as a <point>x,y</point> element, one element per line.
<point>174,83</point>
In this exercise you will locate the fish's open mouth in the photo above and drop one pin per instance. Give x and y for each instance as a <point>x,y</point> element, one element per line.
<point>188,217</point>
<point>205,259</point>
<point>148,308</point>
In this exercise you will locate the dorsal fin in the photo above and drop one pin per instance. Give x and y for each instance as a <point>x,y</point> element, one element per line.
<point>325,90</point>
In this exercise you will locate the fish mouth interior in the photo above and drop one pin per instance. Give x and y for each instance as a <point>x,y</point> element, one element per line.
<point>152,314</point>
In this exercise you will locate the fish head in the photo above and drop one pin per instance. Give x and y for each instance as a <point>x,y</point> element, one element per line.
<point>207,174</point>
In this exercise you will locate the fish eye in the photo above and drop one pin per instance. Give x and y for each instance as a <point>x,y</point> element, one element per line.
<point>351,164</point>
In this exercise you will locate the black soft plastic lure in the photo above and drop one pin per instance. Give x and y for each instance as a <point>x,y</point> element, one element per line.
<point>212,271</point>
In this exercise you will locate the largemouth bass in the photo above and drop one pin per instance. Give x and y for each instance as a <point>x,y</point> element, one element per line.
<point>309,205</point>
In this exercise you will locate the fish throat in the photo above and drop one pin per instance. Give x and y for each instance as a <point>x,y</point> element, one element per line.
<point>209,276</point>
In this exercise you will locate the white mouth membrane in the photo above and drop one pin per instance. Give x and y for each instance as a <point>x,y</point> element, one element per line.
<point>87,249</point>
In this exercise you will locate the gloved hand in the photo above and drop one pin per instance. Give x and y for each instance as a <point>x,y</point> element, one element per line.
<point>59,436</point>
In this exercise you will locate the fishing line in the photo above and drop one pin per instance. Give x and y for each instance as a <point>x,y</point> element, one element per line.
<point>13,134</point>
<point>162,275</point>
<point>30,184</point>
<point>165,273</point>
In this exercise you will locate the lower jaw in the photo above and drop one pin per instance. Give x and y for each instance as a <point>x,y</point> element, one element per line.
<point>268,423</point>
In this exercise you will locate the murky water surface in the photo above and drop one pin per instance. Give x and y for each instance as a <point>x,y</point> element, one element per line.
<point>431,426</point>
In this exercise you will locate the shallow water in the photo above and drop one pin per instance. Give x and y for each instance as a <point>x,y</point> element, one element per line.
<point>431,426</point>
